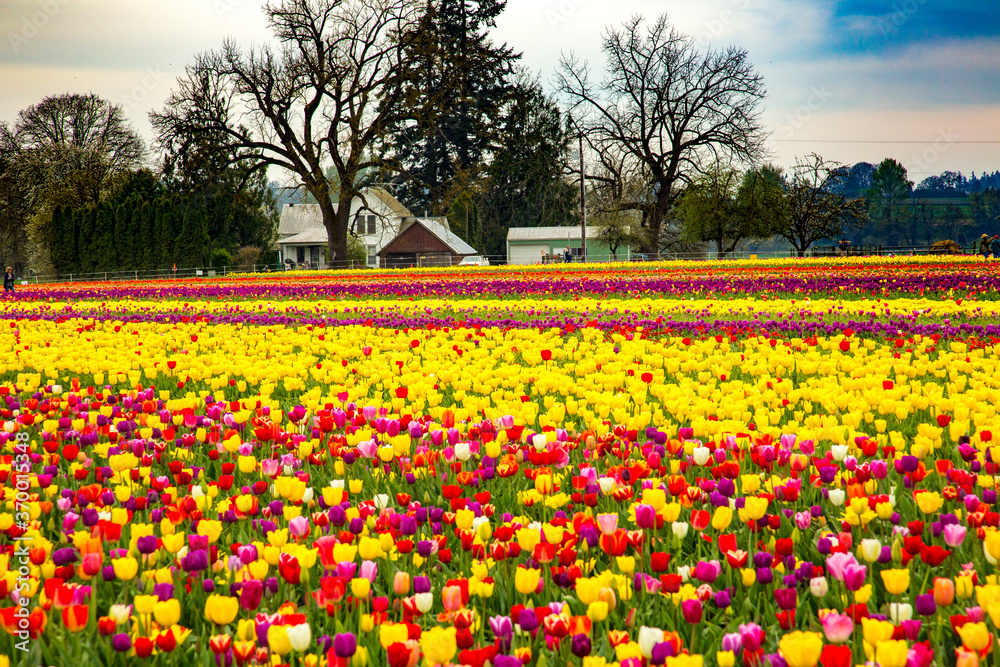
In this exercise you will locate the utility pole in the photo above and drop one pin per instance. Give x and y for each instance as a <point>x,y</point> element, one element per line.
<point>583,206</point>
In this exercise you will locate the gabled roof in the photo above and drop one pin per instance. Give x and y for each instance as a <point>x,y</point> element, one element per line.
<point>389,201</point>
<point>446,236</point>
<point>439,231</point>
<point>296,218</point>
<point>550,233</point>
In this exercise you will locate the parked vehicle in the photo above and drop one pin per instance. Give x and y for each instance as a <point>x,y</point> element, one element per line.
<point>474,260</point>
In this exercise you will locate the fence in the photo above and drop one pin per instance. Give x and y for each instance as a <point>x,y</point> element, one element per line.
<point>494,260</point>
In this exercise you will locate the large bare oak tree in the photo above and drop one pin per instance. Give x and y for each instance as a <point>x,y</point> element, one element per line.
<point>674,111</point>
<point>323,99</point>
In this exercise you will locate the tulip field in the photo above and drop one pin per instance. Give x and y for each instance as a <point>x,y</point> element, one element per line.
<point>767,463</point>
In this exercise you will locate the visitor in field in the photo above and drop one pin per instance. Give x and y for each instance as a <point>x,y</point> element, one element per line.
<point>568,256</point>
<point>995,247</point>
<point>844,247</point>
<point>984,246</point>
<point>8,280</point>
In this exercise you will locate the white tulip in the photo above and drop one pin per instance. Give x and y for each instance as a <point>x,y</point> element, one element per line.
<point>299,636</point>
<point>648,638</point>
<point>701,455</point>
<point>900,611</point>
<point>423,602</point>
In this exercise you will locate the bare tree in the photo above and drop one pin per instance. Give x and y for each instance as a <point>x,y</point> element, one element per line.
<point>726,208</point>
<point>323,100</point>
<point>668,107</point>
<point>816,207</point>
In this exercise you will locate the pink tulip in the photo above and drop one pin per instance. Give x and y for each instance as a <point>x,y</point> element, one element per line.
<point>368,448</point>
<point>854,576</point>
<point>954,534</point>
<point>837,627</point>
<point>607,523</point>
<point>298,526</point>
<point>836,563</point>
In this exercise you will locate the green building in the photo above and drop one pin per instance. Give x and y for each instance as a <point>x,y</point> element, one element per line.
<point>537,245</point>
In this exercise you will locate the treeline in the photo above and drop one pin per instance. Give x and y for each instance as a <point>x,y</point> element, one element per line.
<point>136,235</point>
<point>86,203</point>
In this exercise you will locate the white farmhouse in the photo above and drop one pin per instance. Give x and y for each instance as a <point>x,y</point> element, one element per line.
<point>376,217</point>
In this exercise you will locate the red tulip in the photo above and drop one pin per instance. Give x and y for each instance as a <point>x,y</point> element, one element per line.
<point>835,655</point>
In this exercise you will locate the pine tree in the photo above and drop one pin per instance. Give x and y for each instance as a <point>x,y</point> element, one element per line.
<point>457,82</point>
<point>70,240</point>
<point>144,244</point>
<point>104,234</point>
<point>166,237</point>
<point>194,241</point>
<point>56,250</point>
<point>87,222</point>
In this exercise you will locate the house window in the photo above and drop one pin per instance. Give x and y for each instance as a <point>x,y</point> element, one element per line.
<point>300,254</point>
<point>372,256</point>
<point>370,226</point>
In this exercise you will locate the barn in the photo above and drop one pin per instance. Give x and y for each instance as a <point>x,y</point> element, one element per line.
<point>424,242</point>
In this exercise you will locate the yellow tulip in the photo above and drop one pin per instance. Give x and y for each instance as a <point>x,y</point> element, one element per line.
<point>526,580</point>
<point>929,502</point>
<point>125,568</point>
<point>391,633</point>
<point>167,613</point>
<point>896,581</point>
<point>277,639</point>
<point>597,611</point>
<point>975,636</point>
<point>801,649</point>
<point>891,653</point>
<point>755,508</point>
<point>360,587</point>
<point>221,609</point>
<point>722,517</point>
<point>438,645</point>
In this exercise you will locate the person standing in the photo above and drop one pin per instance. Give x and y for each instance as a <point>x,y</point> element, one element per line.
<point>568,256</point>
<point>995,247</point>
<point>8,280</point>
<point>984,246</point>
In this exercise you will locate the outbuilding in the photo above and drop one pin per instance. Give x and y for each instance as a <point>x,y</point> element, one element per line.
<point>424,242</point>
<point>540,245</point>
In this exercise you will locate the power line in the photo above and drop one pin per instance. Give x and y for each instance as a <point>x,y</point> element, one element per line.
<point>875,141</point>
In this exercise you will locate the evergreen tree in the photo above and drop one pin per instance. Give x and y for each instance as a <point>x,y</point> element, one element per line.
<point>84,262</point>
<point>144,248</point>
<point>193,243</point>
<point>70,240</point>
<point>57,251</point>
<point>525,184</point>
<point>114,251</point>
<point>103,238</point>
<point>166,237</point>
<point>887,195</point>
<point>456,84</point>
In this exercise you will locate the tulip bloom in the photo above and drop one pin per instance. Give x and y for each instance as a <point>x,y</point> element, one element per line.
<point>221,610</point>
<point>896,581</point>
<point>801,649</point>
<point>526,580</point>
<point>837,627</point>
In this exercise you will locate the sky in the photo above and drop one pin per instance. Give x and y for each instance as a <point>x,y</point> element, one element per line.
<point>853,81</point>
